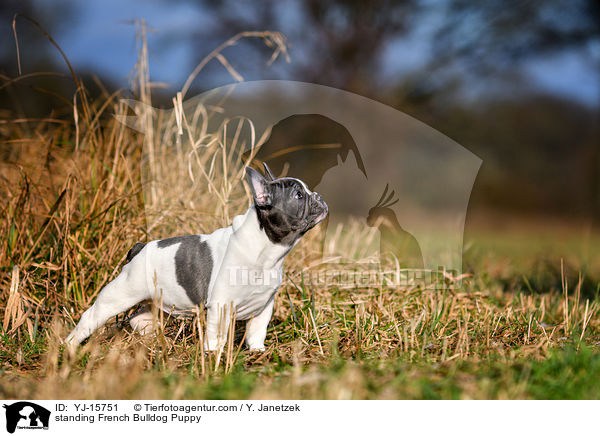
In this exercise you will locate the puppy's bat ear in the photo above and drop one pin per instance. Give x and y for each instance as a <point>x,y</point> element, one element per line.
<point>259,187</point>
<point>269,175</point>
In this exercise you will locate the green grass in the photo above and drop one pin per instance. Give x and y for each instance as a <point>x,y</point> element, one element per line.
<point>566,373</point>
<point>431,359</point>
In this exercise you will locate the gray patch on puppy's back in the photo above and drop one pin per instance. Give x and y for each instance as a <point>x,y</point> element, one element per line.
<point>137,247</point>
<point>193,265</point>
<point>164,243</point>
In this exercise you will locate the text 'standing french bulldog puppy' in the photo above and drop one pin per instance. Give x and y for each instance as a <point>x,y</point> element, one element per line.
<point>239,266</point>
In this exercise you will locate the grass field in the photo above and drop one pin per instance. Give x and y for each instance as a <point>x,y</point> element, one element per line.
<point>523,324</point>
<point>495,337</point>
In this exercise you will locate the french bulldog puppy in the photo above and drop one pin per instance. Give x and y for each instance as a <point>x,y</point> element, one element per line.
<point>238,268</point>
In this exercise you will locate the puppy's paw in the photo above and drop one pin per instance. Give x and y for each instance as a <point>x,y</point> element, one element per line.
<point>256,348</point>
<point>142,323</point>
<point>213,346</point>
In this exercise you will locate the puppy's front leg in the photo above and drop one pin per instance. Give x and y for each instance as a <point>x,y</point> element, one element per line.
<point>217,325</point>
<point>256,327</point>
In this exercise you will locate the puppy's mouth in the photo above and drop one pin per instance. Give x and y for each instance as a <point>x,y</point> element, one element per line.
<point>320,217</point>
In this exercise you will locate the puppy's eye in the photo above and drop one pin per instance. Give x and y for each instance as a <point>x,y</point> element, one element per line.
<point>299,195</point>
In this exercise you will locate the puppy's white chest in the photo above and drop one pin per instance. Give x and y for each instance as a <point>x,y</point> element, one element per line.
<point>250,270</point>
<point>252,288</point>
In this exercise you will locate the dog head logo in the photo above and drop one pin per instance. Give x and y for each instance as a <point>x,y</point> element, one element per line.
<point>26,415</point>
<point>391,182</point>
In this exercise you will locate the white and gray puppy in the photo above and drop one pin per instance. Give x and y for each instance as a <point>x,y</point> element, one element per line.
<point>239,266</point>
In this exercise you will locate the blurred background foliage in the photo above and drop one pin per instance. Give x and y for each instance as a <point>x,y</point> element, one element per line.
<point>515,82</point>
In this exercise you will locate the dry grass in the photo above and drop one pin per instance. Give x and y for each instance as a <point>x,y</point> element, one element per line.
<point>76,195</point>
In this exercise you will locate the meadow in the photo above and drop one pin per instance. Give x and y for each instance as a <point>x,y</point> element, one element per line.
<point>522,324</point>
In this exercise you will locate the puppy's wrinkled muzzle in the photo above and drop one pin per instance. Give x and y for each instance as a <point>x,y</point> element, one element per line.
<point>320,208</point>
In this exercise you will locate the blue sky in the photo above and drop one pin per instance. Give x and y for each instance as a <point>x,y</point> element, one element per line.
<point>101,38</point>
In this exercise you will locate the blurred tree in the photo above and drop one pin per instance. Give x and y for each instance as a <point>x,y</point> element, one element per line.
<point>336,43</point>
<point>341,42</point>
<point>495,33</point>
<point>540,153</point>
<point>557,141</point>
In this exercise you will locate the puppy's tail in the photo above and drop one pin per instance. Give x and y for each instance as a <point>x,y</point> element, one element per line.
<point>135,250</point>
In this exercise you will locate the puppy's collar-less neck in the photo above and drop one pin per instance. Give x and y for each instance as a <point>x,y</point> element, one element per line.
<point>263,249</point>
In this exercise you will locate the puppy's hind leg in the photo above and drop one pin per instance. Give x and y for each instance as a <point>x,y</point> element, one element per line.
<point>142,322</point>
<point>117,296</point>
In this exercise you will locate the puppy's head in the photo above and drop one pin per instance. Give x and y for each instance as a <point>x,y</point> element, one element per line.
<point>286,208</point>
